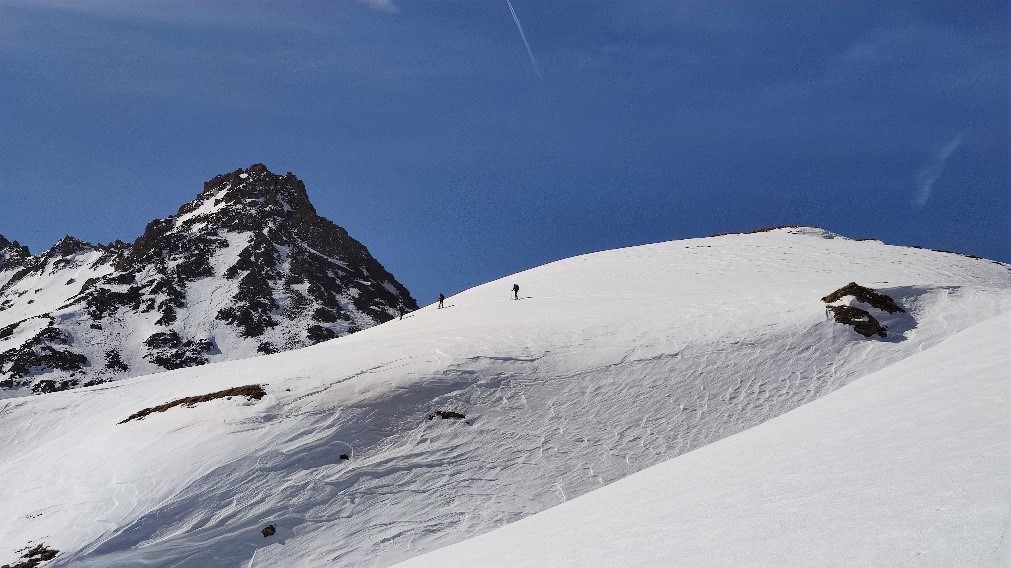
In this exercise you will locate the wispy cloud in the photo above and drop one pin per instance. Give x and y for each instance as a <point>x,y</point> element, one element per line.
<point>220,15</point>
<point>927,177</point>
<point>381,5</point>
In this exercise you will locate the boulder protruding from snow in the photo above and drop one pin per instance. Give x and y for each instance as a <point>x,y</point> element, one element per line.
<point>862,321</point>
<point>866,295</point>
<point>859,316</point>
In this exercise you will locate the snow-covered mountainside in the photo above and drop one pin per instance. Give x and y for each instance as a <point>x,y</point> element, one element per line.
<point>246,268</point>
<point>388,443</point>
<point>908,466</point>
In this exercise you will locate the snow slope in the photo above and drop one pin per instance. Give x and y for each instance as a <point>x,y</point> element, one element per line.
<point>908,466</point>
<point>612,362</point>
<point>55,280</point>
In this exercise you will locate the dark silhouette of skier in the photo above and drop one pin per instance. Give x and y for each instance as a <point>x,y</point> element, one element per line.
<point>442,299</point>
<point>516,291</point>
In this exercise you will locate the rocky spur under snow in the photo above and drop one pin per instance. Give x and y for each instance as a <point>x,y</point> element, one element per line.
<point>246,268</point>
<point>418,433</point>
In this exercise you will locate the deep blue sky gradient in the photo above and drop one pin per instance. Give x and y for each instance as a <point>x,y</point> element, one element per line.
<point>421,127</point>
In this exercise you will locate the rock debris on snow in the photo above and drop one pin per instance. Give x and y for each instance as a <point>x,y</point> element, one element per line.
<point>252,392</point>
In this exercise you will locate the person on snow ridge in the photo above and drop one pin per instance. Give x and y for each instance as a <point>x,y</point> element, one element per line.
<point>516,291</point>
<point>442,299</point>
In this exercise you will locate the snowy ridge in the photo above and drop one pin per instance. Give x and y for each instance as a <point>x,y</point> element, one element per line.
<point>610,363</point>
<point>246,268</point>
<point>36,286</point>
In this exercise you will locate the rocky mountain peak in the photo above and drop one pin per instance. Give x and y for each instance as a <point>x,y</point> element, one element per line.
<point>12,253</point>
<point>68,246</point>
<point>251,200</point>
<point>254,187</point>
<point>247,267</point>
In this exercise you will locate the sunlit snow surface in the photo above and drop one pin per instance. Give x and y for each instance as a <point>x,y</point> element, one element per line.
<point>908,466</point>
<point>610,363</point>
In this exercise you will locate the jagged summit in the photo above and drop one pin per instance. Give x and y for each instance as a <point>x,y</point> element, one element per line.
<point>69,245</point>
<point>259,185</point>
<point>11,252</point>
<point>230,198</point>
<point>244,200</point>
<point>247,267</point>
<point>4,243</point>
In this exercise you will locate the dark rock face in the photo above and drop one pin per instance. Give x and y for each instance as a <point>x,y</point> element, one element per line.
<point>246,268</point>
<point>12,255</point>
<point>114,361</point>
<point>866,295</point>
<point>862,321</point>
<point>33,556</point>
<point>169,351</point>
<point>46,349</point>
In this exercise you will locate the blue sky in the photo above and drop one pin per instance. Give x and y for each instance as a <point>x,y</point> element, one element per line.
<point>422,127</point>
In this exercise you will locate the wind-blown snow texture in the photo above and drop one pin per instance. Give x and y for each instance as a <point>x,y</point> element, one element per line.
<point>246,268</point>
<point>908,466</point>
<point>610,363</point>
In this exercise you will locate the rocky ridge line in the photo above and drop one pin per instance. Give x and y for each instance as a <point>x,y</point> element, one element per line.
<point>247,267</point>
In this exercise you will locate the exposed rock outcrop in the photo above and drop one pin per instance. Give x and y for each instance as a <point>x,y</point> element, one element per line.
<point>861,319</point>
<point>866,295</point>
<point>248,267</point>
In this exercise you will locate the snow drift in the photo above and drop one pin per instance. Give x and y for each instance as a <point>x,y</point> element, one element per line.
<point>610,363</point>
<point>908,466</point>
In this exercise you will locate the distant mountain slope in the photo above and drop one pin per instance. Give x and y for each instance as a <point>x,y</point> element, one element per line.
<point>246,268</point>
<point>908,466</point>
<point>357,456</point>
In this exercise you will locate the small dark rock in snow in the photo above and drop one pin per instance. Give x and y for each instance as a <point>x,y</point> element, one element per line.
<point>269,530</point>
<point>345,457</point>
<point>447,414</point>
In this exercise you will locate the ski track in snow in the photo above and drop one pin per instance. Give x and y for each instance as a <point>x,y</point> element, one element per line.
<point>618,361</point>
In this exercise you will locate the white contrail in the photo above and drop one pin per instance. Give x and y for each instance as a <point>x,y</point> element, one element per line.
<point>928,176</point>
<point>530,52</point>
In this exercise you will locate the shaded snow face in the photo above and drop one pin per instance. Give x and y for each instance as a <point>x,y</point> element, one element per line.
<point>247,268</point>
<point>607,364</point>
